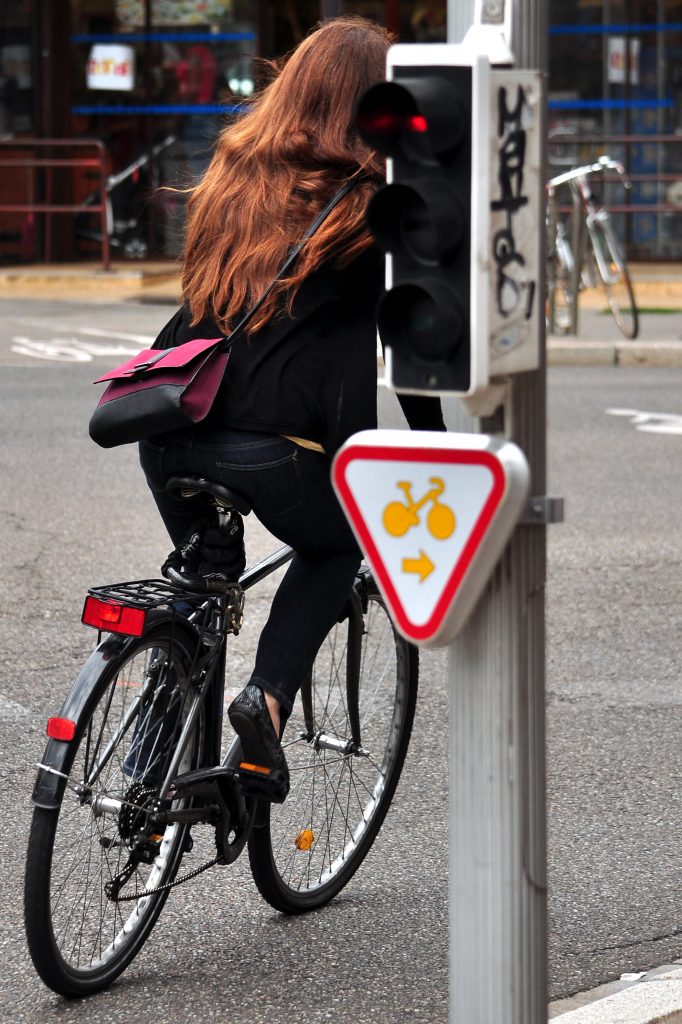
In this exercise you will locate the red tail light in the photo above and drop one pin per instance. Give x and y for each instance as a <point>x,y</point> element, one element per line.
<point>114,618</point>
<point>61,729</point>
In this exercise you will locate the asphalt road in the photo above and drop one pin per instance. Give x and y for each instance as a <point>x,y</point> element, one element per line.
<point>73,515</point>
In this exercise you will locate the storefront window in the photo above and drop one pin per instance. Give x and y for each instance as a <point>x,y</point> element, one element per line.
<point>625,99</point>
<point>16,71</point>
<point>156,80</point>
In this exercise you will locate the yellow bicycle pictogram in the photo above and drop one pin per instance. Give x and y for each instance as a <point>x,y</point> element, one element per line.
<point>399,517</point>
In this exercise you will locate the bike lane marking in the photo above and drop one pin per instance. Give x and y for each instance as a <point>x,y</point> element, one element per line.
<point>74,350</point>
<point>651,422</point>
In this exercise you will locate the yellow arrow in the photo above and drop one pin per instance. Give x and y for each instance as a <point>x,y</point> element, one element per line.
<point>422,565</point>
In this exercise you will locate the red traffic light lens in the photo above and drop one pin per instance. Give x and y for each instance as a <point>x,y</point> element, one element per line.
<point>388,123</point>
<point>416,123</point>
<point>421,118</point>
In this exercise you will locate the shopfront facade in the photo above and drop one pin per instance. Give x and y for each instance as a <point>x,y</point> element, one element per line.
<point>155,80</point>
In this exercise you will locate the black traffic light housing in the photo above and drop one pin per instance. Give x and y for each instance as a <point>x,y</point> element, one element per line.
<point>429,218</point>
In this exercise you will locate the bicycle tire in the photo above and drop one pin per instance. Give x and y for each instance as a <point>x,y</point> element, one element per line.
<point>559,305</point>
<point>78,938</point>
<point>614,276</point>
<point>310,846</point>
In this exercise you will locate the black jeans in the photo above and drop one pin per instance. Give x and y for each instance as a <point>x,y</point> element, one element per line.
<point>290,491</point>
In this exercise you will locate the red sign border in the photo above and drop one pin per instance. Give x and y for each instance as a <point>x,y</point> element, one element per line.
<point>387,453</point>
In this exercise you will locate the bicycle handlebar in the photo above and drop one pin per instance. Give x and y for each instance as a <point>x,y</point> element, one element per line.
<point>603,163</point>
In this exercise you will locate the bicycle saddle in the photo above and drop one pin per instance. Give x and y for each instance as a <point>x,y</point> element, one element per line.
<point>188,486</point>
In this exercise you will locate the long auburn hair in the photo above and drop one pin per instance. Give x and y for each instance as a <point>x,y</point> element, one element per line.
<point>275,168</point>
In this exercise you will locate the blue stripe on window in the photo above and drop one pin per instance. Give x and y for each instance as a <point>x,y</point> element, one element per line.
<point>165,37</point>
<point>162,108</point>
<point>622,29</point>
<point>608,104</point>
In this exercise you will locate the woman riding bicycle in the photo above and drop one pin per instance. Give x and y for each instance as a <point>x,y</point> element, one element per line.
<point>304,377</point>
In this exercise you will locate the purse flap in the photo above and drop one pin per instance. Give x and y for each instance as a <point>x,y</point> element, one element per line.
<point>149,359</point>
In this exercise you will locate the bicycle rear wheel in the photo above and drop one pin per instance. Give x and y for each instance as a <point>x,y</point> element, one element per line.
<point>364,686</point>
<point>81,935</point>
<point>613,273</point>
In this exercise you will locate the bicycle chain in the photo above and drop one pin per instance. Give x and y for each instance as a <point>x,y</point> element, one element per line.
<point>166,885</point>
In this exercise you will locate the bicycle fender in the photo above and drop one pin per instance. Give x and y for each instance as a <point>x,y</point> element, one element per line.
<point>59,754</point>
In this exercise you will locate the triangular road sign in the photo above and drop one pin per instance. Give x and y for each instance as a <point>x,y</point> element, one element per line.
<point>431,513</point>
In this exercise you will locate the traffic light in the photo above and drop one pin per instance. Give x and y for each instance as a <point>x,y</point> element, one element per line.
<point>429,119</point>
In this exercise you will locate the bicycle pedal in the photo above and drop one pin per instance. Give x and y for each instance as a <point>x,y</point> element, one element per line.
<point>263,782</point>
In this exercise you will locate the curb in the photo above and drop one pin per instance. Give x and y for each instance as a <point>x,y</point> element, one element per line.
<point>561,352</point>
<point>653,997</point>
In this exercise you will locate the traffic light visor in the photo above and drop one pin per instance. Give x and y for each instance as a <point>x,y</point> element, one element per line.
<point>424,321</point>
<point>386,112</point>
<point>423,118</point>
<point>425,219</point>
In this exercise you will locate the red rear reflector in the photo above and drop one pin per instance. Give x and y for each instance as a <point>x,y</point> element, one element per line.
<point>114,618</point>
<point>61,729</point>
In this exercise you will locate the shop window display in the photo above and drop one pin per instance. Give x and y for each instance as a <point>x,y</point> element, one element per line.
<point>156,82</point>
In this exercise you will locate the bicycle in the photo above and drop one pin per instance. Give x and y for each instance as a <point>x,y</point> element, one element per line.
<point>397,518</point>
<point>132,771</point>
<point>576,265</point>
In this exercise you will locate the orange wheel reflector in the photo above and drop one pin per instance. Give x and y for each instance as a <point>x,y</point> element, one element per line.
<point>305,839</point>
<point>261,769</point>
<point>113,618</point>
<point>61,729</point>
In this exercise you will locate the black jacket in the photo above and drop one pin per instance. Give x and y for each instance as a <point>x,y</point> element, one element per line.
<point>312,375</point>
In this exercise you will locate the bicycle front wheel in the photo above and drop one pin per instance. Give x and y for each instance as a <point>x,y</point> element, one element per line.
<point>96,861</point>
<point>349,733</point>
<point>614,276</point>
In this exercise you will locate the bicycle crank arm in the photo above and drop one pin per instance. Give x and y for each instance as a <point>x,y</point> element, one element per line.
<point>230,814</point>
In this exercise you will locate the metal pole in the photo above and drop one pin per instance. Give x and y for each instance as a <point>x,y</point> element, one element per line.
<point>497,728</point>
<point>460,18</point>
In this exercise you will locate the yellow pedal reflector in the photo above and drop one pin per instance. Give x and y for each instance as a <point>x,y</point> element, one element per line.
<point>261,769</point>
<point>305,839</point>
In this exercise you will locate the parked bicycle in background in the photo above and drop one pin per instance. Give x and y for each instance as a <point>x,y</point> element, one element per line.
<point>586,254</point>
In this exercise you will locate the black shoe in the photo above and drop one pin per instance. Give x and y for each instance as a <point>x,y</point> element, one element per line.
<point>263,768</point>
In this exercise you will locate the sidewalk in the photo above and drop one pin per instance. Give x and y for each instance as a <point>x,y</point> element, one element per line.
<point>126,281</point>
<point>652,997</point>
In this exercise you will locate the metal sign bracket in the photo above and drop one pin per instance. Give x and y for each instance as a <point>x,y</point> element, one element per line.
<point>491,31</point>
<point>541,510</point>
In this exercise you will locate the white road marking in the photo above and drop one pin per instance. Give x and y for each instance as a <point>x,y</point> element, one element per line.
<point>96,332</point>
<point>75,350</point>
<point>651,422</point>
<point>59,351</point>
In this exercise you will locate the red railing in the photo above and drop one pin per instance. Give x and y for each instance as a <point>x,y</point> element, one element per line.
<point>48,163</point>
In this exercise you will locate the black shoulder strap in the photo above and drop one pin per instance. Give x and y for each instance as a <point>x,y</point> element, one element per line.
<point>291,259</point>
